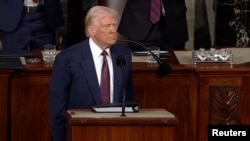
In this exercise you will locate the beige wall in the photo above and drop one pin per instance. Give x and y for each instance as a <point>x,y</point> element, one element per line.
<point>190,19</point>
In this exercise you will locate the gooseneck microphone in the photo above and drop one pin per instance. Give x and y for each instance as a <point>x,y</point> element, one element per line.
<point>164,68</point>
<point>121,62</point>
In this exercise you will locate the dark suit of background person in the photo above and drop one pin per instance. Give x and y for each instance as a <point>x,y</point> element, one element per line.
<point>20,28</point>
<point>170,31</point>
<point>74,83</point>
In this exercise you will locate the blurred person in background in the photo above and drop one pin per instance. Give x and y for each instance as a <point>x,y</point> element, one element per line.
<point>29,24</point>
<point>169,32</point>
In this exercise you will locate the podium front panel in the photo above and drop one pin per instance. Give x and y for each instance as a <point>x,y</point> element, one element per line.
<point>147,125</point>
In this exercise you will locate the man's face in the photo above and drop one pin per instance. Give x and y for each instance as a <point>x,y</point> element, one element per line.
<point>106,32</point>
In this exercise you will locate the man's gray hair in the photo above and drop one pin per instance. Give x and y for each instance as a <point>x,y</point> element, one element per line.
<point>96,13</point>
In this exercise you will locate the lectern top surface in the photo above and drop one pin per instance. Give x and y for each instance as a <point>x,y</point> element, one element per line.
<point>144,113</point>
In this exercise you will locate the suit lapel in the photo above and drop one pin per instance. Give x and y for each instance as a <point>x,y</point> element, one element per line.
<point>88,68</point>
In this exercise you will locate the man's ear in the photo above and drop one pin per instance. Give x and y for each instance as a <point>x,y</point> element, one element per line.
<point>91,31</point>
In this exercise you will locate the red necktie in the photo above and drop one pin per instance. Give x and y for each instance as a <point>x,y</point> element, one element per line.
<point>155,11</point>
<point>36,1</point>
<point>105,80</point>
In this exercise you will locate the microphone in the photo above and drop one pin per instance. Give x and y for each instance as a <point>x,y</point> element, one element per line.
<point>121,61</point>
<point>164,68</point>
<point>131,107</point>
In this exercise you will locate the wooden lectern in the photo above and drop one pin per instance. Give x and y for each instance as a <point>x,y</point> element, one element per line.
<point>146,125</point>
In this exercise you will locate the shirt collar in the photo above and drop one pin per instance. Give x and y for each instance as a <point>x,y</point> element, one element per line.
<point>95,49</point>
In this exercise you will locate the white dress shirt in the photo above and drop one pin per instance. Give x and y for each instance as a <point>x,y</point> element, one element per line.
<point>98,60</point>
<point>31,3</point>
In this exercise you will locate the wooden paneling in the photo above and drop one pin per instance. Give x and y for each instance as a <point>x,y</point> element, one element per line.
<point>175,93</point>
<point>191,92</point>
<point>112,127</point>
<point>4,118</point>
<point>29,110</point>
<point>124,133</point>
<point>224,99</point>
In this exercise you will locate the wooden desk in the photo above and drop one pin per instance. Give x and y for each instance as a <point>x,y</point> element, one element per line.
<point>189,92</point>
<point>147,125</point>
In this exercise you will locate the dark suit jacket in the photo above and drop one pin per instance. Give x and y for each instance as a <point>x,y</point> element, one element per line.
<point>75,85</point>
<point>135,23</point>
<point>11,12</point>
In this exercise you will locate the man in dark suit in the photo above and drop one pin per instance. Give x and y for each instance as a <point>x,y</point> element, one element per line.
<point>26,24</point>
<point>170,32</point>
<point>76,77</point>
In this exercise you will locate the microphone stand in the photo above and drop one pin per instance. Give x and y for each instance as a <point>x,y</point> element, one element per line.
<point>120,61</point>
<point>124,90</point>
<point>124,95</point>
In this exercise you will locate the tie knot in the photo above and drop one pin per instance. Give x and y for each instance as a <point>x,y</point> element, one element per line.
<point>104,53</point>
<point>36,1</point>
